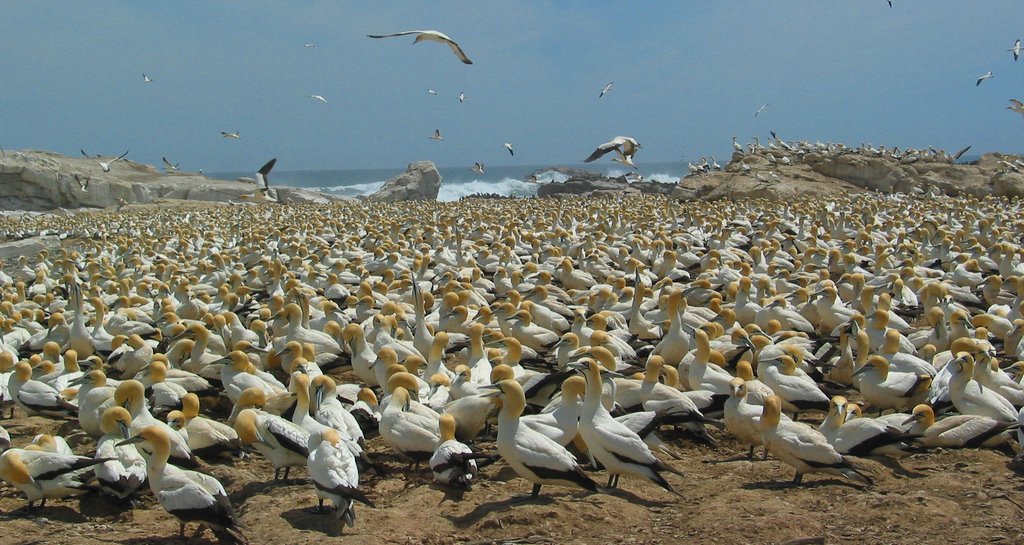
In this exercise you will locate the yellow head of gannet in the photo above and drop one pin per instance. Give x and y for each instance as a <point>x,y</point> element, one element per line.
<point>116,420</point>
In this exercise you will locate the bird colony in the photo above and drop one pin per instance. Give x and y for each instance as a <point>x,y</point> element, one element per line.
<point>583,347</point>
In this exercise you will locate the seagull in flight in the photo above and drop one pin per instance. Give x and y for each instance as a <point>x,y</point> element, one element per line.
<point>168,166</point>
<point>1016,49</point>
<point>509,148</point>
<point>311,44</point>
<point>106,165</point>
<point>262,177</point>
<point>478,167</point>
<point>987,75</point>
<point>437,135</point>
<point>462,97</point>
<point>431,92</point>
<point>235,134</point>
<point>318,97</point>
<point>624,146</point>
<point>533,179</point>
<point>432,36</point>
<point>606,89</point>
<point>1016,106</point>
<point>761,109</point>
<point>83,183</point>
<point>146,79</point>
<point>890,3</point>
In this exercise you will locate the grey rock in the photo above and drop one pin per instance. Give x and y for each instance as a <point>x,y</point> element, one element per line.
<point>28,247</point>
<point>420,181</point>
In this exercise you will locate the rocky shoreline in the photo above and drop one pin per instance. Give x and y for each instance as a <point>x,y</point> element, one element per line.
<point>46,181</point>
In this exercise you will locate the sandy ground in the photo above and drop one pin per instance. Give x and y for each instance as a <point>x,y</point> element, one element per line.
<point>939,497</point>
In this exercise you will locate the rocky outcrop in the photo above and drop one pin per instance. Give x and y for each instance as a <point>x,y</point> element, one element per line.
<point>779,173</point>
<point>420,181</point>
<point>41,180</point>
<point>584,183</point>
<point>28,246</point>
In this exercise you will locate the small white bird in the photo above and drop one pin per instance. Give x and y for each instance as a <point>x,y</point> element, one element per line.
<point>985,76</point>
<point>168,166</point>
<point>311,44</point>
<point>318,97</point>
<point>462,97</point>
<point>430,35</point>
<point>1016,49</point>
<point>431,92</point>
<point>437,135</point>
<point>509,148</point>
<point>478,167</point>
<point>235,134</point>
<point>147,79</point>
<point>606,89</point>
<point>106,165</point>
<point>761,109</point>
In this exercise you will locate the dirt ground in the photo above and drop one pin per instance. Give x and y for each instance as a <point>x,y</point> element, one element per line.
<point>938,497</point>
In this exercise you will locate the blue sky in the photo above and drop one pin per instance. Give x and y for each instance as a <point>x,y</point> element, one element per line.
<point>688,75</point>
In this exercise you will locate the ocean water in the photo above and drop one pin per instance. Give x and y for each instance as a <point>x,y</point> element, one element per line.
<point>456,182</point>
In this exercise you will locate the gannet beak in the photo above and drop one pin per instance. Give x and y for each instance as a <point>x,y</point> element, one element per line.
<point>612,374</point>
<point>576,366</point>
<point>124,430</point>
<point>861,371</point>
<point>131,441</point>
<point>913,418</point>
<point>492,390</point>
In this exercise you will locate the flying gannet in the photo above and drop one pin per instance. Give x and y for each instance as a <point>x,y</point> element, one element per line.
<point>625,146</point>
<point>105,165</point>
<point>437,135</point>
<point>235,134</point>
<point>430,35</point>
<point>983,77</point>
<point>606,89</point>
<point>509,148</point>
<point>1016,49</point>
<point>761,109</point>
<point>147,79</point>
<point>318,97</point>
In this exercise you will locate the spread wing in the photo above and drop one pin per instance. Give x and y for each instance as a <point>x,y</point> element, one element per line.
<point>406,33</point>
<point>603,149</point>
<point>458,52</point>
<point>263,172</point>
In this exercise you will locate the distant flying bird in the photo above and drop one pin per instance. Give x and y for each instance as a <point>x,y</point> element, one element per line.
<point>84,154</point>
<point>987,75</point>
<point>431,92</point>
<point>318,97</point>
<point>168,166</point>
<point>1017,106</point>
<point>235,134</point>
<point>761,109</point>
<point>773,135</point>
<point>509,148</point>
<point>606,89</point>
<point>624,146</point>
<point>310,45</point>
<point>478,167</point>
<point>890,3</point>
<point>146,79</point>
<point>1016,49</point>
<point>430,35</point>
<point>437,135</point>
<point>533,179</point>
<point>462,97</point>
<point>106,165</point>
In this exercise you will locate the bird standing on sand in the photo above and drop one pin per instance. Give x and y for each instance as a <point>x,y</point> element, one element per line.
<point>433,36</point>
<point>188,496</point>
<point>509,148</point>
<point>437,135</point>
<point>318,97</point>
<point>1016,49</point>
<point>235,134</point>
<point>983,77</point>
<point>106,165</point>
<point>606,89</point>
